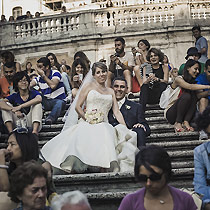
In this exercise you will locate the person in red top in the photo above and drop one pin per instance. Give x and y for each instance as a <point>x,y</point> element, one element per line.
<point>6,82</point>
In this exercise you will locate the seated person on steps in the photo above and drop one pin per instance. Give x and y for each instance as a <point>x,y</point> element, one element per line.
<point>22,109</point>
<point>131,111</point>
<point>52,89</point>
<point>121,64</point>
<point>201,160</point>
<point>204,79</point>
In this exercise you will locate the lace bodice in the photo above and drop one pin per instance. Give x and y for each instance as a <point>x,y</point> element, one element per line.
<point>101,102</point>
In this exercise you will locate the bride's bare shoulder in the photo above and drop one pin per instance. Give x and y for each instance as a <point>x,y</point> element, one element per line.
<point>110,90</point>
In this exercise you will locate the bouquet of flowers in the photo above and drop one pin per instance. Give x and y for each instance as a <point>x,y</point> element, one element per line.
<point>94,116</point>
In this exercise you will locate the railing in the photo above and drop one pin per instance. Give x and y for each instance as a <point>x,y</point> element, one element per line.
<point>46,25</point>
<point>120,3</point>
<point>200,10</point>
<point>103,20</point>
<point>132,16</point>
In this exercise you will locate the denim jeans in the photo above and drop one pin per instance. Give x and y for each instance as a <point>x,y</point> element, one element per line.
<point>53,105</point>
<point>66,82</point>
<point>202,170</point>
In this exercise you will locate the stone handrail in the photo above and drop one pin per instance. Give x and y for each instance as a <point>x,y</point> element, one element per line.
<point>101,21</point>
<point>46,25</point>
<point>121,3</point>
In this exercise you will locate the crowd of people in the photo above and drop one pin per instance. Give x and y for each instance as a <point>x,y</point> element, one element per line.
<point>28,15</point>
<point>98,97</point>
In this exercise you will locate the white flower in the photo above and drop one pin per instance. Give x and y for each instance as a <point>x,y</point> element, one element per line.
<point>127,107</point>
<point>94,116</point>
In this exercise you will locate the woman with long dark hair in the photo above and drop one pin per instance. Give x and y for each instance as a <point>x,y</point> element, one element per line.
<point>78,73</point>
<point>180,112</point>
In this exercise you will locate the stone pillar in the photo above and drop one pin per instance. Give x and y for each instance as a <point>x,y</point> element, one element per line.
<point>182,10</point>
<point>87,23</point>
<point>7,36</point>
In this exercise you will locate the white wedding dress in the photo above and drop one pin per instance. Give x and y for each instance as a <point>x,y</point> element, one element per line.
<point>93,145</point>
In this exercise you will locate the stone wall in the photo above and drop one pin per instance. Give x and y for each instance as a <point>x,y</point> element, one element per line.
<point>165,25</point>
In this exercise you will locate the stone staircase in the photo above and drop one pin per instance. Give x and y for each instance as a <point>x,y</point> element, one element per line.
<point>105,190</point>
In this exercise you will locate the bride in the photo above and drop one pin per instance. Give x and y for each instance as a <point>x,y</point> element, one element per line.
<point>91,142</point>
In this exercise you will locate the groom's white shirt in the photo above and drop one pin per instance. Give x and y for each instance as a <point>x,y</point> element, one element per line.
<point>121,102</point>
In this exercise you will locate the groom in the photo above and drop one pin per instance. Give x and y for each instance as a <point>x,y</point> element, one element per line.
<point>132,112</point>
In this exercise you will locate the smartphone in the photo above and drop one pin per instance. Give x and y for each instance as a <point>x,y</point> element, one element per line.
<point>80,77</point>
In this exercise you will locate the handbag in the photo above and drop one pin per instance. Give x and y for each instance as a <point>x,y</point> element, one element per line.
<point>169,96</point>
<point>196,197</point>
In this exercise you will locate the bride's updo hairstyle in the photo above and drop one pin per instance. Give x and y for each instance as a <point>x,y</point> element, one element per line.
<point>98,65</point>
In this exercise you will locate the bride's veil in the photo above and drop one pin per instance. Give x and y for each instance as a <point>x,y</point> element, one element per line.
<point>71,117</point>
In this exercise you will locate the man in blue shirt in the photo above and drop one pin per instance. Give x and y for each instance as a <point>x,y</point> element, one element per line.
<point>201,44</point>
<point>202,160</point>
<point>204,79</point>
<point>52,89</point>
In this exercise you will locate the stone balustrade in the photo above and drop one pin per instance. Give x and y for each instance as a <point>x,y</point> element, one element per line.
<point>46,25</point>
<point>86,22</point>
<point>166,25</point>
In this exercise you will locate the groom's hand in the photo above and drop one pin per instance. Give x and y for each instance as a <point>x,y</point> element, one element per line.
<point>139,125</point>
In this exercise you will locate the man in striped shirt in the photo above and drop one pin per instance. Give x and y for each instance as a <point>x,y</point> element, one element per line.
<point>52,89</point>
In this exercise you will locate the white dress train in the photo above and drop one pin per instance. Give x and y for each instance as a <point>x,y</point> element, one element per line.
<point>93,145</point>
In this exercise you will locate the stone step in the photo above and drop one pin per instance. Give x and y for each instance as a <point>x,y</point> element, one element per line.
<point>155,120</point>
<point>177,144</point>
<point>172,136</point>
<point>154,113</point>
<point>114,182</point>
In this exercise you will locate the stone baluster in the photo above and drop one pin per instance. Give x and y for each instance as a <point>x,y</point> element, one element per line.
<point>48,26</point>
<point>18,31</point>
<point>125,17</point>
<point>53,25</point>
<point>44,27</point>
<point>34,30</point>
<point>38,27</point>
<point>78,22</point>
<point>135,17</point>
<point>112,23</point>
<point>74,23</point>
<point>59,26</point>
<point>65,20</point>
<point>104,21</point>
<point>24,30</point>
<point>130,17</point>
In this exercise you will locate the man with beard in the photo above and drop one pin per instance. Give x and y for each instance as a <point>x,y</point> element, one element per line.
<point>204,79</point>
<point>121,64</point>
<point>6,82</point>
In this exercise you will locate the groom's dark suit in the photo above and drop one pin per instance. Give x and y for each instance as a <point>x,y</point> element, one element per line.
<point>133,114</point>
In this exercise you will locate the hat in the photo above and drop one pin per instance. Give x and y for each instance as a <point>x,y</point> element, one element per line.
<point>192,51</point>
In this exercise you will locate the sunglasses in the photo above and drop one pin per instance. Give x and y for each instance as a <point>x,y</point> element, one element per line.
<point>153,177</point>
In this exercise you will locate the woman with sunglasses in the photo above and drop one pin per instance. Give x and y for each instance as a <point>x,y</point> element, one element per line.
<point>153,170</point>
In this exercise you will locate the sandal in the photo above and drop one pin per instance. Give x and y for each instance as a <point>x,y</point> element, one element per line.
<point>178,128</point>
<point>187,126</point>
